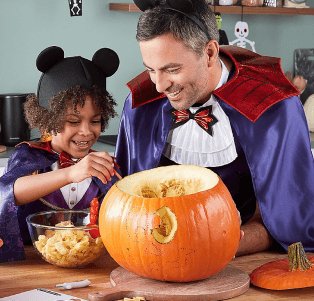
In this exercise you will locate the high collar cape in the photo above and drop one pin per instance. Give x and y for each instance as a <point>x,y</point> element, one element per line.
<point>258,83</point>
<point>267,120</point>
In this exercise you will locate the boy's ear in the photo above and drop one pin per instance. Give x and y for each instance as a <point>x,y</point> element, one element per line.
<point>49,57</point>
<point>107,60</point>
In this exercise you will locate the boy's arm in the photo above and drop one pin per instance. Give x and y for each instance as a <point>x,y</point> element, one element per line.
<point>32,187</point>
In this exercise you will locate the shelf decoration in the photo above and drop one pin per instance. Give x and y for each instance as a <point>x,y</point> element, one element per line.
<point>241,31</point>
<point>75,7</point>
<point>223,39</point>
<point>231,9</point>
<point>295,3</point>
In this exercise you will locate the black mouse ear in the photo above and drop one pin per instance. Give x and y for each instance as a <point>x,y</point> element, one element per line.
<point>49,57</point>
<point>185,6</point>
<point>107,60</point>
<point>145,4</point>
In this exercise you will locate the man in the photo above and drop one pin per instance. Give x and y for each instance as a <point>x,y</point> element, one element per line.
<point>248,127</point>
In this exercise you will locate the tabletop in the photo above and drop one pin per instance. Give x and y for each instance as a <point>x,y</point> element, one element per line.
<point>20,276</point>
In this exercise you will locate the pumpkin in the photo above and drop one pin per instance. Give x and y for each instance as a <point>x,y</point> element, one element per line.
<point>297,271</point>
<point>174,223</point>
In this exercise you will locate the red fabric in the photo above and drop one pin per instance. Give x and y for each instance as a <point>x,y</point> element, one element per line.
<point>257,84</point>
<point>65,159</point>
<point>143,90</point>
<point>203,118</point>
<point>39,145</point>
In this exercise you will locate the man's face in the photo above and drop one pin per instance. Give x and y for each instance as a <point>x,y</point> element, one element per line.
<point>181,74</point>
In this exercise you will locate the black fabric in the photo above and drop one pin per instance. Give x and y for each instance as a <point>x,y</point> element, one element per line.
<point>66,74</point>
<point>60,74</point>
<point>236,176</point>
<point>223,39</point>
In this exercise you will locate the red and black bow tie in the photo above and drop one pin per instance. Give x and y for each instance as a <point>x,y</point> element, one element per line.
<point>203,116</point>
<point>65,160</point>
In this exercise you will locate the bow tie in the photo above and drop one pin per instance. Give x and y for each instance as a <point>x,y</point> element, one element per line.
<point>203,116</point>
<point>65,160</point>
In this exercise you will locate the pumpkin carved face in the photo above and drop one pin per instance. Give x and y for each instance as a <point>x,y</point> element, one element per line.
<point>175,223</point>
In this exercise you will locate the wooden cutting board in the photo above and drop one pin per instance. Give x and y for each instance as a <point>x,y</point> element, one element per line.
<point>228,283</point>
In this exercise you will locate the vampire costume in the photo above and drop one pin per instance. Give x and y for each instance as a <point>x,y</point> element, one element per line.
<point>274,167</point>
<point>59,74</point>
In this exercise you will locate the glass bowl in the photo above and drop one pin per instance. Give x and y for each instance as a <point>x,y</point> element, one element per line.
<point>64,238</point>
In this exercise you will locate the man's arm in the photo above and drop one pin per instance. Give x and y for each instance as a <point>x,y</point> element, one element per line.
<point>255,236</point>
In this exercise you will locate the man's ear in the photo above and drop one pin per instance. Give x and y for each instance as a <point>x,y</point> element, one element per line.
<point>212,52</point>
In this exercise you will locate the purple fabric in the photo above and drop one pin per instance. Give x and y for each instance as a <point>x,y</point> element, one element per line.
<point>276,147</point>
<point>56,198</point>
<point>13,228</point>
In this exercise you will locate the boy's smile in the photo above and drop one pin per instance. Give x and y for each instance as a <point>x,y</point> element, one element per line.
<point>81,130</point>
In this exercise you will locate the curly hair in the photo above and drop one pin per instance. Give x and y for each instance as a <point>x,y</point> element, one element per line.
<point>52,120</point>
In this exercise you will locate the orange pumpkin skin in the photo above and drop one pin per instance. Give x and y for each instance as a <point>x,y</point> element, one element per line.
<point>206,239</point>
<point>275,275</point>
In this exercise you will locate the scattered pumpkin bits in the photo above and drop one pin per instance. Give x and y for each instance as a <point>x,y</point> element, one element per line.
<point>295,272</point>
<point>175,223</point>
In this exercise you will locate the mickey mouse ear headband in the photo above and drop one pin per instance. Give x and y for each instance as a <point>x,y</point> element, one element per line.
<point>60,73</point>
<point>184,7</point>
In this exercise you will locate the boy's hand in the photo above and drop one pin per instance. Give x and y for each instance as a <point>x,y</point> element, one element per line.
<point>97,164</point>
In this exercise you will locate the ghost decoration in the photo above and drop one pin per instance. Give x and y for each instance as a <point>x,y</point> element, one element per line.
<point>241,31</point>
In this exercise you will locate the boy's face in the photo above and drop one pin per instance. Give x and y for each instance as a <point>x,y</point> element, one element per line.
<point>81,130</point>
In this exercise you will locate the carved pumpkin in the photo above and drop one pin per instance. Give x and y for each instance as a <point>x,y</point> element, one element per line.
<point>175,223</point>
<point>297,271</point>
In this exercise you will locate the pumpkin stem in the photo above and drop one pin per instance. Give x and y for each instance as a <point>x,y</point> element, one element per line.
<point>297,258</point>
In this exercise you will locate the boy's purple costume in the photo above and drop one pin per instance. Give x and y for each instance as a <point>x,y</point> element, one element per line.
<point>59,74</point>
<point>13,228</point>
<point>268,124</point>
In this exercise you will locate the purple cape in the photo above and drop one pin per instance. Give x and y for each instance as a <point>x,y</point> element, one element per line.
<point>13,228</point>
<point>276,147</point>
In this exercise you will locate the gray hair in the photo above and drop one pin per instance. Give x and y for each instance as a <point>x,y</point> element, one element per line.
<point>161,20</point>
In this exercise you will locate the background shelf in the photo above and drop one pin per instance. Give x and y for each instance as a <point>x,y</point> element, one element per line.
<point>248,10</point>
